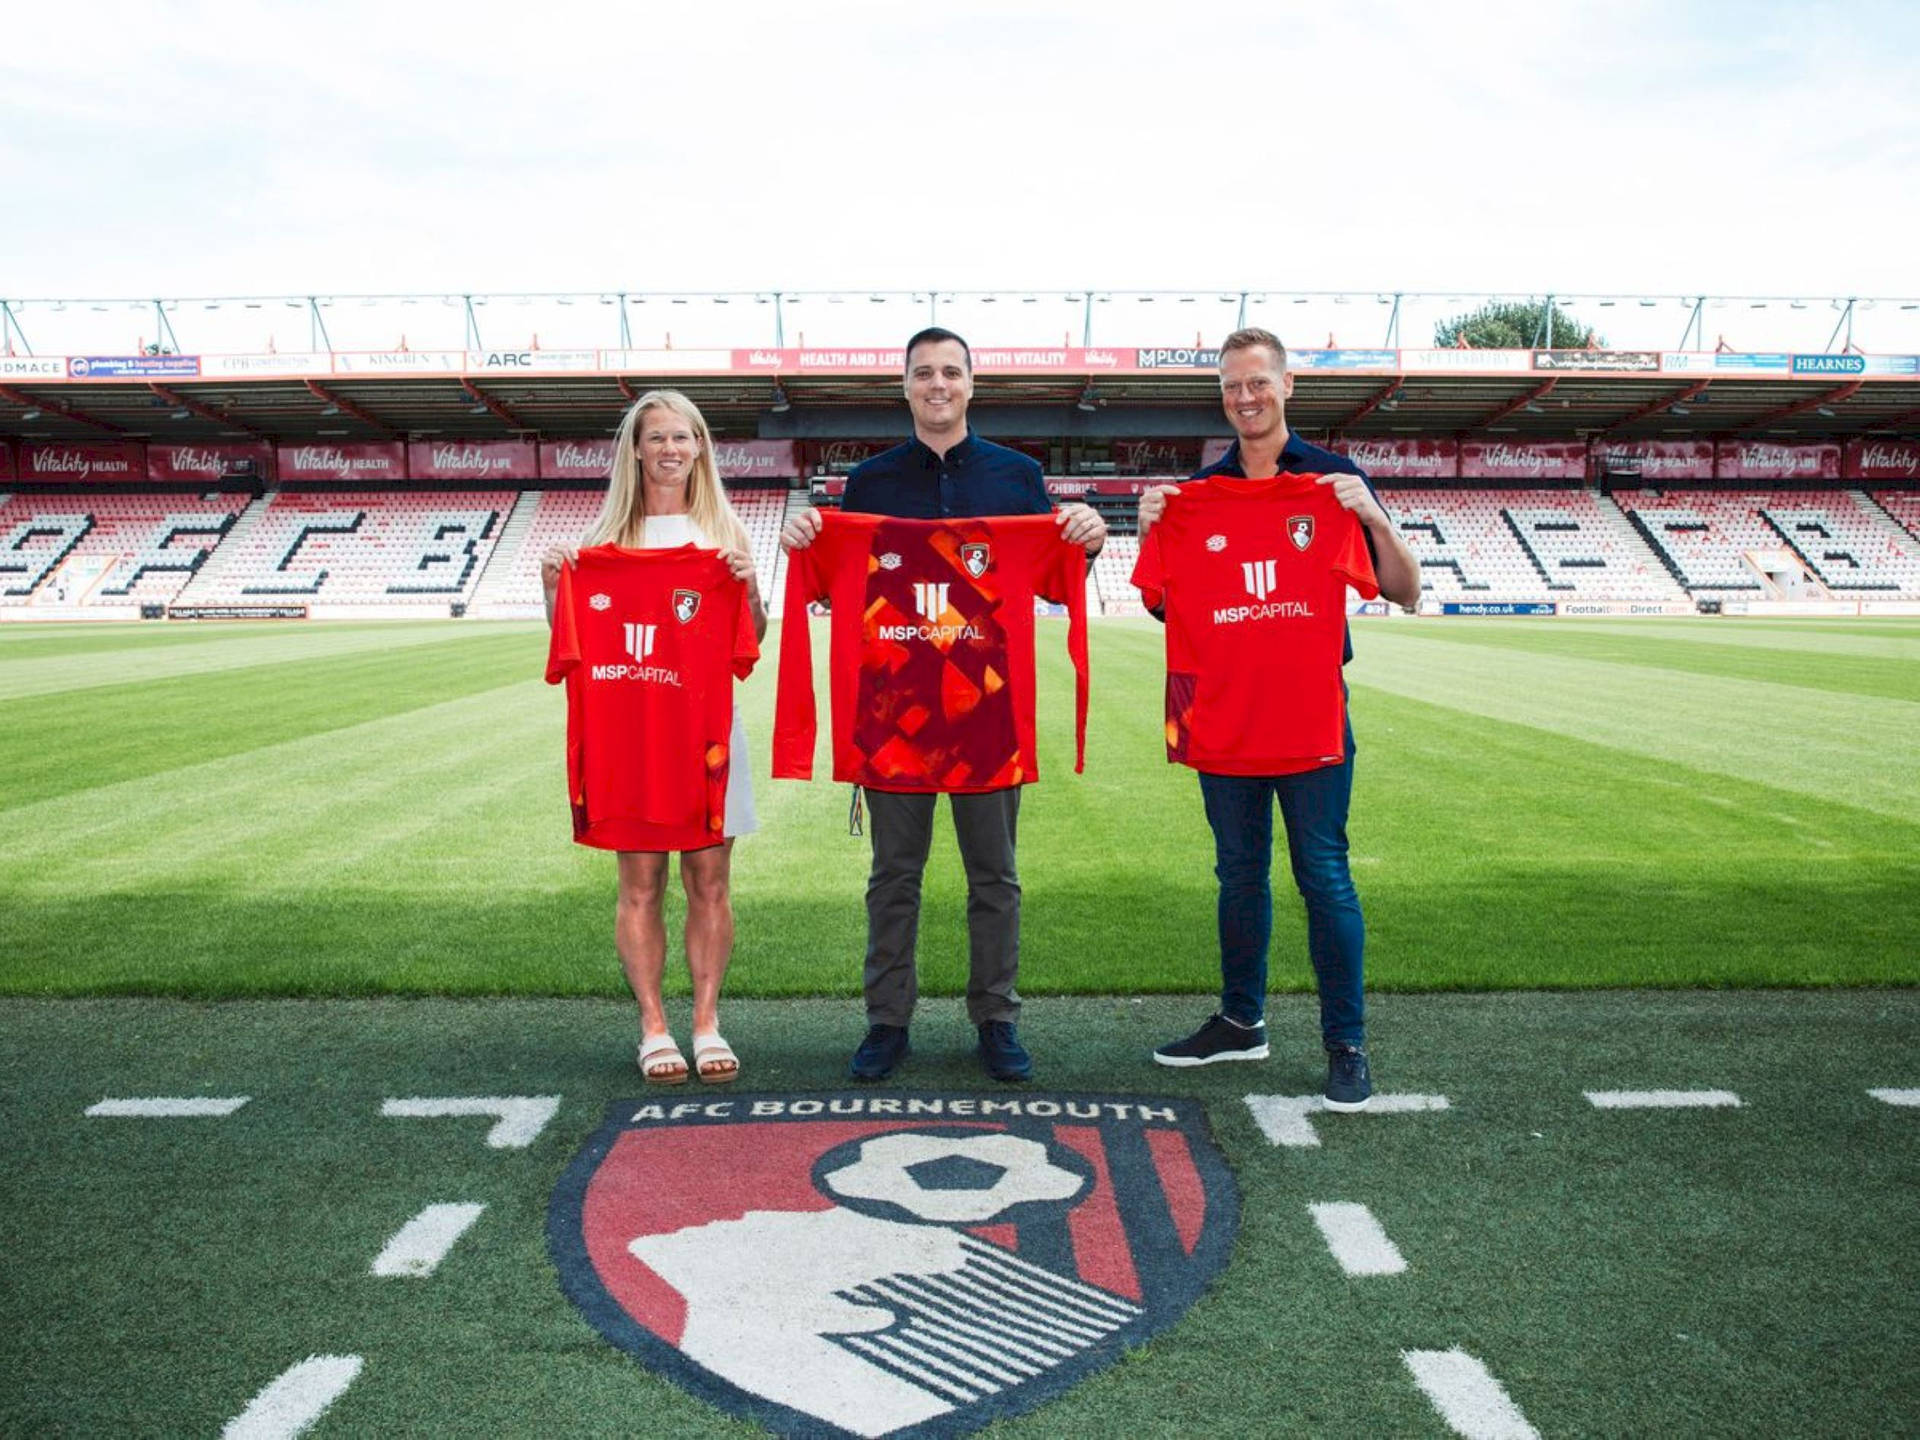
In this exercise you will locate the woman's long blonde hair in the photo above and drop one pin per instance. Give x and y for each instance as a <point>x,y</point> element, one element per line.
<point>623,514</point>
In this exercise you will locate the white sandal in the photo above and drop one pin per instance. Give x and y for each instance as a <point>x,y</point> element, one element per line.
<point>714,1061</point>
<point>661,1062</point>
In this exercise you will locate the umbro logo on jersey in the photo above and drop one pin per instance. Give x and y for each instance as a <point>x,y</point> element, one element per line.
<point>639,639</point>
<point>1216,543</point>
<point>601,602</point>
<point>1259,576</point>
<point>686,605</point>
<point>930,599</point>
<point>1300,530</point>
<point>976,557</point>
<point>889,561</point>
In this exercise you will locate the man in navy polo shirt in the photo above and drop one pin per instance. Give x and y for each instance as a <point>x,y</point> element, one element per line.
<point>944,470</point>
<point>1254,386</point>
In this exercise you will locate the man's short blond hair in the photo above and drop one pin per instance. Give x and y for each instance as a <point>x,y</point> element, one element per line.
<point>1252,338</point>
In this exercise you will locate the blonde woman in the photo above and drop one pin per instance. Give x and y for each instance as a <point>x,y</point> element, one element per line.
<point>665,491</point>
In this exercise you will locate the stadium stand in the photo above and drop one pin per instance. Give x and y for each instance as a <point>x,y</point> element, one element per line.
<point>361,551</point>
<point>1519,545</point>
<point>106,550</point>
<point>1902,506</point>
<point>1776,541</point>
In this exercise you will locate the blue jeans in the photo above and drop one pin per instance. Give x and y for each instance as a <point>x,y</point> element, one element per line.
<point>1314,806</point>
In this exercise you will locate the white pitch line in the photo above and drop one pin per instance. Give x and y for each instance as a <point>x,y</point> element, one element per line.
<point>1467,1396</point>
<point>1283,1118</point>
<point>418,1247</point>
<point>1356,1239</point>
<point>1897,1097</point>
<point>1662,1099</point>
<point>290,1404</point>
<point>521,1117</point>
<point>160,1107</point>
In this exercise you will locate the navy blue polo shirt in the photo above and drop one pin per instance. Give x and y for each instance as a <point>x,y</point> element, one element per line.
<point>1302,457</point>
<point>975,479</point>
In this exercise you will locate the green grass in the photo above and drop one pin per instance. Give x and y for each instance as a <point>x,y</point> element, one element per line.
<point>1719,1273</point>
<point>357,809</point>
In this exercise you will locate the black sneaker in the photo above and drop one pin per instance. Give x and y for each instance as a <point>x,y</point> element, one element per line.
<point>1349,1085</point>
<point>1219,1039</point>
<point>885,1047</point>
<point>1002,1053</point>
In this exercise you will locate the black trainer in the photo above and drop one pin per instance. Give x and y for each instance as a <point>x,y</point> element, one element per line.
<point>1002,1053</point>
<point>1349,1084</point>
<point>885,1047</point>
<point>1219,1039</point>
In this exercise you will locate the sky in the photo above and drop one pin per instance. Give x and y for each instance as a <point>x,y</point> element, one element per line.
<point>1617,147</point>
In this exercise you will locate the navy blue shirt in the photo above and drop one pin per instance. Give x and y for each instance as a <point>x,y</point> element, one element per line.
<point>1301,457</point>
<point>975,479</point>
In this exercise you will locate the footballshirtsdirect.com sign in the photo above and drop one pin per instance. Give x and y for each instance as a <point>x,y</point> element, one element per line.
<point>902,1264</point>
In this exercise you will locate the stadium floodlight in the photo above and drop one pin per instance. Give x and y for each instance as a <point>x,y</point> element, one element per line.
<point>781,404</point>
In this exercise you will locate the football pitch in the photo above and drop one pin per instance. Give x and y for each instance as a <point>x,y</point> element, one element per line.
<point>1642,937</point>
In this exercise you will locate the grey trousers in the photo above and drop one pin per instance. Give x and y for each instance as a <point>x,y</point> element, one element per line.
<point>901,827</point>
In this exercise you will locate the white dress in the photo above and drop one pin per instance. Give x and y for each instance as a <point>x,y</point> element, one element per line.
<point>664,532</point>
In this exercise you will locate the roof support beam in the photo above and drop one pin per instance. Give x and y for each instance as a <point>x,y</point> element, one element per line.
<point>1654,407</point>
<point>499,410</point>
<point>205,412</point>
<point>57,407</point>
<point>347,407</point>
<point>1539,392</point>
<point>1373,402</point>
<point>1812,402</point>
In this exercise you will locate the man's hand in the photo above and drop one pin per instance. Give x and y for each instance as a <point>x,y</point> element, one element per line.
<point>1153,504</point>
<point>801,530</point>
<point>1352,493</point>
<point>1081,525</point>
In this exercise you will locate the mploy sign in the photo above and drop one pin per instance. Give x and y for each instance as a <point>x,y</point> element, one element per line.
<point>757,459</point>
<point>471,460</point>
<point>890,1264</point>
<point>208,462</point>
<point>1881,460</point>
<point>60,461</point>
<point>1633,360</point>
<point>1829,364</point>
<point>576,459</point>
<point>1661,460</point>
<point>1756,460</point>
<point>342,462</point>
<point>1177,357</point>
<point>1429,459</point>
<point>1534,460</point>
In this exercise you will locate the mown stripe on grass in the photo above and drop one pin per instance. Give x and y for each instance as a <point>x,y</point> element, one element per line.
<point>1833,667</point>
<point>138,660</point>
<point>56,744</point>
<point>1841,749</point>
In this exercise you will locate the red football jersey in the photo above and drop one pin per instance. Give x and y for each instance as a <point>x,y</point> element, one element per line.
<point>932,649</point>
<point>649,643</point>
<point>1254,577</point>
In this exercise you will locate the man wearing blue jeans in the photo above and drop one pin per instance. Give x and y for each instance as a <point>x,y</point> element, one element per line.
<point>1254,386</point>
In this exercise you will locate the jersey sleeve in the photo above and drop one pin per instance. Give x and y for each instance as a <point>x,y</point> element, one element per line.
<point>1071,564</point>
<point>795,718</point>
<point>1354,559</point>
<point>563,646</point>
<point>1149,568</point>
<point>746,648</point>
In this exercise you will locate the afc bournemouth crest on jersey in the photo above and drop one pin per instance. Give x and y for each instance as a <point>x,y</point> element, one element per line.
<point>912,1264</point>
<point>976,557</point>
<point>686,605</point>
<point>1300,530</point>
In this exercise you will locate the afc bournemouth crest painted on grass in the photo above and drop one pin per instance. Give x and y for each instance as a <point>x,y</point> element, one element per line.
<point>912,1264</point>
